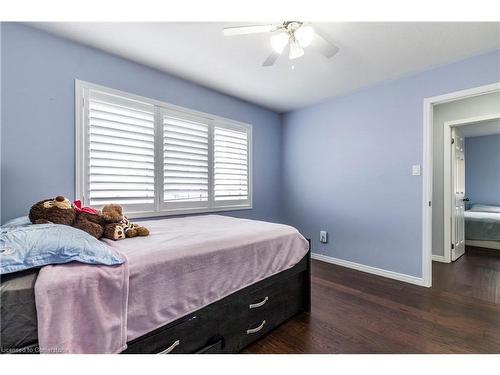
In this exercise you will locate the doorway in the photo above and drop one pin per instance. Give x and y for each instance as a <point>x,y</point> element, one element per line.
<point>456,201</point>
<point>433,183</point>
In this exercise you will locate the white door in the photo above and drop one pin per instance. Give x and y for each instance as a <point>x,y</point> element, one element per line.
<point>458,196</point>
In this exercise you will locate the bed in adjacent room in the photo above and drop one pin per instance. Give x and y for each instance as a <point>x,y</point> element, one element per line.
<point>209,283</point>
<point>482,226</point>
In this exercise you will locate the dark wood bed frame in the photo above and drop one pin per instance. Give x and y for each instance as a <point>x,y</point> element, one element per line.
<point>232,323</point>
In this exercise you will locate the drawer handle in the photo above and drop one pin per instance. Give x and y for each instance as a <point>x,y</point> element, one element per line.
<point>256,329</point>
<point>171,347</point>
<point>258,304</point>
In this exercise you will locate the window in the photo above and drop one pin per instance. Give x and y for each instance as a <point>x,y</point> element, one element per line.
<point>121,160</point>
<point>157,159</point>
<point>185,160</point>
<point>230,164</point>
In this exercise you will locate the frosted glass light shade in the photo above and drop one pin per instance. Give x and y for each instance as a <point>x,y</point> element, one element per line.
<point>279,42</point>
<point>295,50</point>
<point>304,35</point>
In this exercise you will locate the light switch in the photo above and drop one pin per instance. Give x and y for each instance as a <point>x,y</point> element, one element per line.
<point>323,236</point>
<point>415,170</point>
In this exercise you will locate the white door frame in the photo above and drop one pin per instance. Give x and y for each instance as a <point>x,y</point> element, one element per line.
<point>429,104</point>
<point>447,174</point>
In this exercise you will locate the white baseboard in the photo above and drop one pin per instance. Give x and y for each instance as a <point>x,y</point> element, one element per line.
<point>369,269</point>
<point>439,258</point>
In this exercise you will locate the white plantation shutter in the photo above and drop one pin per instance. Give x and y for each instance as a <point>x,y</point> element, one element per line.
<point>185,160</point>
<point>157,159</point>
<point>121,154</point>
<point>231,165</point>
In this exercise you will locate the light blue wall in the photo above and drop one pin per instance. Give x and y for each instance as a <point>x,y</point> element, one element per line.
<point>482,169</point>
<point>38,119</point>
<point>347,166</point>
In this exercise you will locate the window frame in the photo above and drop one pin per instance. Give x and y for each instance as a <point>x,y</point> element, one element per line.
<point>160,208</point>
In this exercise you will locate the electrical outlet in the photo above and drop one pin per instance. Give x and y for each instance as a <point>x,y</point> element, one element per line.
<point>323,236</point>
<point>415,170</point>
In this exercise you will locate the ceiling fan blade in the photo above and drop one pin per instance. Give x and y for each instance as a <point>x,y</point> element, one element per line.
<point>271,59</point>
<point>255,29</point>
<point>323,45</point>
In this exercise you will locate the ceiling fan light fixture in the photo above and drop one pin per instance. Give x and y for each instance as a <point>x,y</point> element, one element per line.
<point>279,41</point>
<point>295,34</point>
<point>304,35</point>
<point>296,50</point>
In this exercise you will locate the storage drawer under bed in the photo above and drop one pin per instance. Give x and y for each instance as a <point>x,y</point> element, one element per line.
<point>189,336</point>
<point>263,310</point>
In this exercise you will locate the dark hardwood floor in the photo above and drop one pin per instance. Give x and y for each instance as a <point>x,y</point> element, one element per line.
<point>356,312</point>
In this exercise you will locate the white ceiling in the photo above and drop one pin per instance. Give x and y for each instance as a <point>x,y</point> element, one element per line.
<point>369,53</point>
<point>479,129</point>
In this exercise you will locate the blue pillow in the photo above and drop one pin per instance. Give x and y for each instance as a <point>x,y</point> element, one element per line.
<point>22,220</point>
<point>23,247</point>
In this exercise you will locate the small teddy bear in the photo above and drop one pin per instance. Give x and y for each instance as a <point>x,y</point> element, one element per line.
<point>119,226</point>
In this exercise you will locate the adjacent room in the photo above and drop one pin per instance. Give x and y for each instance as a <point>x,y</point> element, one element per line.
<point>482,185</point>
<point>287,187</point>
<point>465,192</point>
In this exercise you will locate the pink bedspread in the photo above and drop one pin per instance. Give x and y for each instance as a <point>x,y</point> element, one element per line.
<point>82,308</point>
<point>185,264</point>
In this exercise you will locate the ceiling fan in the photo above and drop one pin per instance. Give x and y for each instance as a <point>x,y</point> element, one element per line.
<point>298,35</point>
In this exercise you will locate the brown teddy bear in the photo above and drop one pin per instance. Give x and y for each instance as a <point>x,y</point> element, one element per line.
<point>90,223</point>
<point>120,227</point>
<point>60,210</point>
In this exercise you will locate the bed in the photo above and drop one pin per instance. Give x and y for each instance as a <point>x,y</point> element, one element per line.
<point>482,226</point>
<point>199,284</point>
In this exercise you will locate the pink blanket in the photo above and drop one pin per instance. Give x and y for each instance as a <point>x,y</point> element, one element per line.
<point>185,264</point>
<point>82,308</point>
